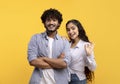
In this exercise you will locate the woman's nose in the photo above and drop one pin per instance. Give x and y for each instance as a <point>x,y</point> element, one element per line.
<point>70,31</point>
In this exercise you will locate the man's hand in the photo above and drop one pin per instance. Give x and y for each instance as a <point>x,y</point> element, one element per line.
<point>62,55</point>
<point>40,63</point>
<point>56,63</point>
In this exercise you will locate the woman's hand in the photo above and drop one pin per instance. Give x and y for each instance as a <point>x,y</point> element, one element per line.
<point>89,48</point>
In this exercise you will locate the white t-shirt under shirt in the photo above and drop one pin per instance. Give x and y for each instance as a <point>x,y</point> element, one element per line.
<point>48,74</point>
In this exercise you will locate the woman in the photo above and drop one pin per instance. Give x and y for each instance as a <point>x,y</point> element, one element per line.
<point>83,63</point>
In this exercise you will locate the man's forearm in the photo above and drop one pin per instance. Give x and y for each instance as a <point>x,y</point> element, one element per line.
<point>56,63</point>
<point>39,63</point>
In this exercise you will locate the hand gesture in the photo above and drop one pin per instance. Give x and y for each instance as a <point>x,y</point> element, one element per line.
<point>89,48</point>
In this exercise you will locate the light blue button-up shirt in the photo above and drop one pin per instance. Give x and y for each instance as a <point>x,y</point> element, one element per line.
<point>38,46</point>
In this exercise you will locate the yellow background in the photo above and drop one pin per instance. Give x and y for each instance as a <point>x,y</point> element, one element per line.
<point>20,19</point>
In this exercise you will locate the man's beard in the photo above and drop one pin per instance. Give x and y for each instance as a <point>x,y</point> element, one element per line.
<point>50,31</point>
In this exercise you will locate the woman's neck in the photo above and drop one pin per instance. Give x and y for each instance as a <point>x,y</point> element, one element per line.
<point>74,42</point>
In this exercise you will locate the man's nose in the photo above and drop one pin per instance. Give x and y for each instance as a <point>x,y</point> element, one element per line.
<point>51,21</point>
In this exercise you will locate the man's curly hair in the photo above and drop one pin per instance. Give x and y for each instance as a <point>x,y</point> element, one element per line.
<point>51,14</point>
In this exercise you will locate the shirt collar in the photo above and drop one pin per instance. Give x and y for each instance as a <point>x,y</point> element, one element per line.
<point>78,44</point>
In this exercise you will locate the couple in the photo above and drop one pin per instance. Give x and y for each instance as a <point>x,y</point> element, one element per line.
<point>57,60</point>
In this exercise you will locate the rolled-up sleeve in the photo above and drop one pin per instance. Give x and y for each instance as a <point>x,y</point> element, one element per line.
<point>32,49</point>
<point>91,63</point>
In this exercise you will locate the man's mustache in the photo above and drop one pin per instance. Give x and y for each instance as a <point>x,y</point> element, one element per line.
<point>51,25</point>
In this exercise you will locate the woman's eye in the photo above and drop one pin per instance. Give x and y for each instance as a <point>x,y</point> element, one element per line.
<point>73,28</point>
<point>67,29</point>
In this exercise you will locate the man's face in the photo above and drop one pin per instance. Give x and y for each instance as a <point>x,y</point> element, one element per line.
<point>51,25</point>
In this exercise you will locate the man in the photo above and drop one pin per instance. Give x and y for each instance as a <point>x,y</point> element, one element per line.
<point>48,52</point>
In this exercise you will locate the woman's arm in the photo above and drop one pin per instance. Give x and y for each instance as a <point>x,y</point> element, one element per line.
<point>90,61</point>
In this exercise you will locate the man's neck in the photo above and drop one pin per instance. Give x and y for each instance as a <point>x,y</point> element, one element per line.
<point>51,34</point>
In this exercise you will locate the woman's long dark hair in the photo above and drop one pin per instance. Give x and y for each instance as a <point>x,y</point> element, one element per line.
<point>82,34</point>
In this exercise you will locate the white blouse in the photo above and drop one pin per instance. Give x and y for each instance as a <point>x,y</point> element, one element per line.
<point>79,60</point>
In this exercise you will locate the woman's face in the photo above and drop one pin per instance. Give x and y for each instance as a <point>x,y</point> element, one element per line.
<point>72,31</point>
